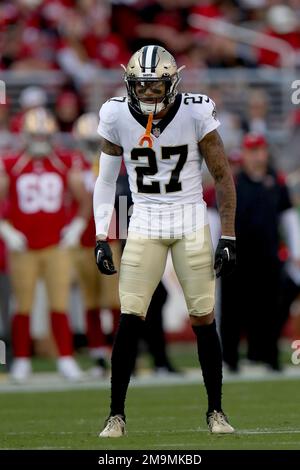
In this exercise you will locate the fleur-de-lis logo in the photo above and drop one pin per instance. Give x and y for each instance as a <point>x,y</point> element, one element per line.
<point>214,113</point>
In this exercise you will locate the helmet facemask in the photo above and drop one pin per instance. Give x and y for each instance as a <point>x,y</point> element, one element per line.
<point>160,103</point>
<point>39,146</point>
<point>90,148</point>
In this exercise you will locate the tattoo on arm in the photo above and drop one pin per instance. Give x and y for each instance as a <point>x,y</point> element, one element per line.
<point>109,148</point>
<point>212,149</point>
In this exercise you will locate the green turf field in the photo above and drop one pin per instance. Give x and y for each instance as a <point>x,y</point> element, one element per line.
<point>265,414</point>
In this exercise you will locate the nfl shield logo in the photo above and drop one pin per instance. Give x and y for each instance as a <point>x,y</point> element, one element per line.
<point>156,132</point>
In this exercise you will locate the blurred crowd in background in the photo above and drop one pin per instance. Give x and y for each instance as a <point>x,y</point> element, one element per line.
<point>65,56</point>
<point>74,47</point>
<point>51,34</point>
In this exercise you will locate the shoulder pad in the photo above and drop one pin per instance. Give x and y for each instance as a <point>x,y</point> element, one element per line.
<point>110,110</point>
<point>201,105</point>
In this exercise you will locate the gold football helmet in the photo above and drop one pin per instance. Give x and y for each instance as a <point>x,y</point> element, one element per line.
<point>152,64</point>
<point>85,128</point>
<point>39,121</point>
<point>39,126</point>
<point>85,133</point>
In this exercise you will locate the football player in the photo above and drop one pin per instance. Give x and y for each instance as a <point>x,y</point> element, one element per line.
<point>98,292</point>
<point>37,183</point>
<point>163,137</point>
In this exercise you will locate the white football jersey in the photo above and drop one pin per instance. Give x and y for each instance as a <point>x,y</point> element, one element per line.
<point>165,180</point>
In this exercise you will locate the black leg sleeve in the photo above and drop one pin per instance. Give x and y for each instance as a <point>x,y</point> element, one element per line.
<point>123,360</point>
<point>210,358</point>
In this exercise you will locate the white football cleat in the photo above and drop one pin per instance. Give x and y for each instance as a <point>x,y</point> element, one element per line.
<point>20,369</point>
<point>114,427</point>
<point>69,369</point>
<point>218,423</point>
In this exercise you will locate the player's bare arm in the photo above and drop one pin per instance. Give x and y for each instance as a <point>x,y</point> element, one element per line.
<point>212,149</point>
<point>110,148</point>
<point>14,239</point>
<point>71,233</point>
<point>4,185</point>
<point>80,194</point>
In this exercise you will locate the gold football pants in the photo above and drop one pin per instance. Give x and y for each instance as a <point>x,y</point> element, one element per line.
<point>99,290</point>
<point>53,265</point>
<point>143,264</point>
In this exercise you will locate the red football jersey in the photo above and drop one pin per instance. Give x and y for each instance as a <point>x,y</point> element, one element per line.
<point>38,194</point>
<point>3,264</point>
<point>2,257</point>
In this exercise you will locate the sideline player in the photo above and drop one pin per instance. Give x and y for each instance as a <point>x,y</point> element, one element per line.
<point>36,184</point>
<point>99,292</point>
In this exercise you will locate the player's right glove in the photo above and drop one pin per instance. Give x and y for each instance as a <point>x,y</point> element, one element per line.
<point>225,257</point>
<point>13,238</point>
<point>104,258</point>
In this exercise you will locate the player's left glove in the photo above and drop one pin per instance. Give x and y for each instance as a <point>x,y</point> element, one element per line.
<point>225,257</point>
<point>104,258</point>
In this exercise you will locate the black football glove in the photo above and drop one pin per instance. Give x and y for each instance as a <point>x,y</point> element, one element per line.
<point>103,257</point>
<point>225,257</point>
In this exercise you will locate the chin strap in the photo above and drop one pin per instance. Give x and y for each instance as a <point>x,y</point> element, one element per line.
<point>146,138</point>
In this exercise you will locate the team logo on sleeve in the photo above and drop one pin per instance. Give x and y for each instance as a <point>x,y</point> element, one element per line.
<point>214,112</point>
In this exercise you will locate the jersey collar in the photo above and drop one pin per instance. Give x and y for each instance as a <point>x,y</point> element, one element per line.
<point>158,128</point>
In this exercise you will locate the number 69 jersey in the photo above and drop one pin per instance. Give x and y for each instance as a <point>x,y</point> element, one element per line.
<point>165,179</point>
